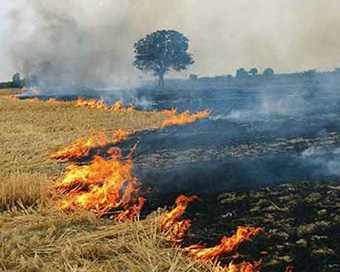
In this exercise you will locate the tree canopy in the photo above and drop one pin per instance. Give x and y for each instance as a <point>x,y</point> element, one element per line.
<point>241,73</point>
<point>161,52</point>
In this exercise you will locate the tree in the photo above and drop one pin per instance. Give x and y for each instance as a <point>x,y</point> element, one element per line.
<point>161,52</point>
<point>268,73</point>
<point>241,73</point>
<point>253,71</point>
<point>16,80</point>
<point>193,77</point>
<point>310,73</point>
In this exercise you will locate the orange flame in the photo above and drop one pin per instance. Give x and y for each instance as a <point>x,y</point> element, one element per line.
<point>53,100</point>
<point>102,186</point>
<point>241,267</point>
<point>227,245</point>
<point>100,104</point>
<point>175,229</point>
<point>184,118</point>
<point>90,103</point>
<point>118,107</point>
<point>33,99</point>
<point>170,223</point>
<point>169,112</point>
<point>81,147</point>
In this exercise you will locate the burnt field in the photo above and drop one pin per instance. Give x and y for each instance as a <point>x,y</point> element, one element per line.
<point>268,156</point>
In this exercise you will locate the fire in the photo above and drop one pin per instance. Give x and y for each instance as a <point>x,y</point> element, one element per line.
<point>175,229</point>
<point>81,147</point>
<point>103,186</point>
<point>100,104</point>
<point>241,267</point>
<point>184,118</point>
<point>90,103</point>
<point>227,246</point>
<point>33,99</point>
<point>170,112</point>
<point>118,107</point>
<point>170,223</point>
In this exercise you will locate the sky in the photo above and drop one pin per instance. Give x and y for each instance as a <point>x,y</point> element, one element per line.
<point>92,40</point>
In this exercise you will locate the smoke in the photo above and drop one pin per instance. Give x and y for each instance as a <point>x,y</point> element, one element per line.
<point>90,42</point>
<point>326,159</point>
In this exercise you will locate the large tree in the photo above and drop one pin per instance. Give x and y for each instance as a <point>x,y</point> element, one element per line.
<point>161,52</point>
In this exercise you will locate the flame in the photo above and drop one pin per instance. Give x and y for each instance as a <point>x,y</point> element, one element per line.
<point>170,223</point>
<point>33,99</point>
<point>174,230</point>
<point>184,118</point>
<point>118,107</point>
<point>90,103</point>
<point>102,186</point>
<point>228,245</point>
<point>169,112</point>
<point>81,147</point>
<point>100,104</point>
<point>240,267</point>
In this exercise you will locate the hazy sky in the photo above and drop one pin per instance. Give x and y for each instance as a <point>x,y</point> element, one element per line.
<point>95,37</point>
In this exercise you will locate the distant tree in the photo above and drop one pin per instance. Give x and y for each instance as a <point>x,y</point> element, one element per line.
<point>162,51</point>
<point>16,80</point>
<point>253,71</point>
<point>310,73</point>
<point>241,73</point>
<point>193,77</point>
<point>268,73</point>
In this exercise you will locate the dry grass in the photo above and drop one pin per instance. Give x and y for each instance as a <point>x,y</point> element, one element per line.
<point>34,235</point>
<point>23,190</point>
<point>34,241</point>
<point>10,91</point>
<point>30,131</point>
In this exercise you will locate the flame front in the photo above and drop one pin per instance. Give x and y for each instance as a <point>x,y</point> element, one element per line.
<point>184,118</point>
<point>90,103</point>
<point>169,112</point>
<point>240,267</point>
<point>81,147</point>
<point>175,229</point>
<point>100,104</point>
<point>227,246</point>
<point>170,223</point>
<point>103,186</point>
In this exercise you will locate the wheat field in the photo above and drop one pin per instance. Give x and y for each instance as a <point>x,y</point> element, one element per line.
<point>37,236</point>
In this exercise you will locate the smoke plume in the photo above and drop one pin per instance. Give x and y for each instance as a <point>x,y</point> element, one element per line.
<point>89,42</point>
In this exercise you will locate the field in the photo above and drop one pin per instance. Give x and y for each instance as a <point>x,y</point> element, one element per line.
<point>34,234</point>
<point>294,198</point>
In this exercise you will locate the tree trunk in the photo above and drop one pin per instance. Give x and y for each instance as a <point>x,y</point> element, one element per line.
<point>161,79</point>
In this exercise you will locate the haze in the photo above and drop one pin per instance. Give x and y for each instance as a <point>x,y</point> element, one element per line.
<point>92,41</point>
